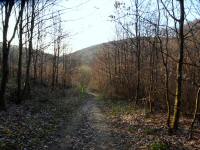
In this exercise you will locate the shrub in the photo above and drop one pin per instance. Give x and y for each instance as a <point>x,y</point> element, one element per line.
<point>159,146</point>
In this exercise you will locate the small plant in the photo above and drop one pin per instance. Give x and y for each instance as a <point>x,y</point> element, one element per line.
<point>159,146</point>
<point>82,91</point>
<point>7,132</point>
<point>121,108</point>
<point>101,97</point>
<point>8,146</point>
<point>132,129</point>
<point>150,131</point>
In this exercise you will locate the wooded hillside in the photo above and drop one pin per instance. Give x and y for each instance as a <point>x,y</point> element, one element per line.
<point>148,74</point>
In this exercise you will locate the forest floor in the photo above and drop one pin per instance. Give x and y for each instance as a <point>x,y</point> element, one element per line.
<point>116,125</point>
<point>137,129</point>
<point>50,121</point>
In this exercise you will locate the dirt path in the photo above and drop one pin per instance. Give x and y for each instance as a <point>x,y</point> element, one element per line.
<point>87,129</point>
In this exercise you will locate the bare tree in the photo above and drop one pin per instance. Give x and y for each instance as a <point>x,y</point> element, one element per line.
<point>7,7</point>
<point>27,87</point>
<point>178,98</point>
<point>19,72</point>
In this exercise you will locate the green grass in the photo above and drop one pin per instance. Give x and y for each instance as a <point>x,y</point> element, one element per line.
<point>159,146</point>
<point>150,131</point>
<point>8,146</point>
<point>132,129</point>
<point>82,91</point>
<point>120,107</point>
<point>100,97</point>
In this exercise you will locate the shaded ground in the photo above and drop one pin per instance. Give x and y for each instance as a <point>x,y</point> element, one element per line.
<point>68,121</point>
<point>137,129</point>
<point>88,129</point>
<point>56,121</point>
<point>35,124</point>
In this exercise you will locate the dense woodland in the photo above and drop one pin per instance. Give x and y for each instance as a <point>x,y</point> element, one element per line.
<point>154,62</point>
<point>38,29</point>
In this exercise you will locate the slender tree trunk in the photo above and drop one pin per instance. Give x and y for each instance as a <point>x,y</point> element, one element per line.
<point>165,62</point>
<point>41,67</point>
<point>57,64</point>
<point>4,79</point>
<point>36,56</point>
<point>195,113</point>
<point>137,31</point>
<point>151,79</point>
<point>167,96</point>
<point>35,65</point>
<point>30,48</point>
<point>5,50</point>
<point>178,97</point>
<point>53,69</point>
<point>19,72</point>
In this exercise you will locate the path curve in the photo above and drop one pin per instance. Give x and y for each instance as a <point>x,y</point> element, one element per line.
<point>87,129</point>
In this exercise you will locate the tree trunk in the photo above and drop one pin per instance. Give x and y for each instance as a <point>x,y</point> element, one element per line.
<point>195,113</point>
<point>178,97</point>
<point>41,67</point>
<point>5,51</point>
<point>167,97</point>
<point>53,69</point>
<point>137,31</point>
<point>30,48</point>
<point>19,72</point>
<point>4,79</point>
<point>35,65</point>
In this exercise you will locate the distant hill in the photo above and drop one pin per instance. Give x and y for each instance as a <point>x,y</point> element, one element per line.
<point>84,56</point>
<point>14,53</point>
<point>87,55</point>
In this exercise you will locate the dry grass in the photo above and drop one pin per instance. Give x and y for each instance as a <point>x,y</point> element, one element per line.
<point>144,131</point>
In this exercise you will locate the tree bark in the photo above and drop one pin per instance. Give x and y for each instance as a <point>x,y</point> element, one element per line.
<point>178,97</point>
<point>195,113</point>
<point>30,48</point>
<point>19,72</point>
<point>5,50</point>
<point>137,31</point>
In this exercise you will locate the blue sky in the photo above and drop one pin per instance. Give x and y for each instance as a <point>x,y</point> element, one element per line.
<point>88,22</point>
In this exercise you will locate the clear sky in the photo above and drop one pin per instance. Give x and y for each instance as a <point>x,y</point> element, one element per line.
<point>88,22</point>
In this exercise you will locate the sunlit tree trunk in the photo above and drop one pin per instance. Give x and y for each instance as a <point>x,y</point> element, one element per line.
<point>138,49</point>
<point>30,48</point>
<point>178,97</point>
<point>7,9</point>
<point>19,72</point>
<point>195,112</point>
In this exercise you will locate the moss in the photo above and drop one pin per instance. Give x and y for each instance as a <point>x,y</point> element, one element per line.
<point>150,131</point>
<point>122,110</point>
<point>100,97</point>
<point>8,146</point>
<point>7,132</point>
<point>159,146</point>
<point>132,129</point>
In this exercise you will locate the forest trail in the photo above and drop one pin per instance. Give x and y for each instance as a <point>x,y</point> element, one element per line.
<point>87,129</point>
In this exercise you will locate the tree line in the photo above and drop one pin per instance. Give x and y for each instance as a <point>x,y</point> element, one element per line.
<point>31,29</point>
<point>155,59</point>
